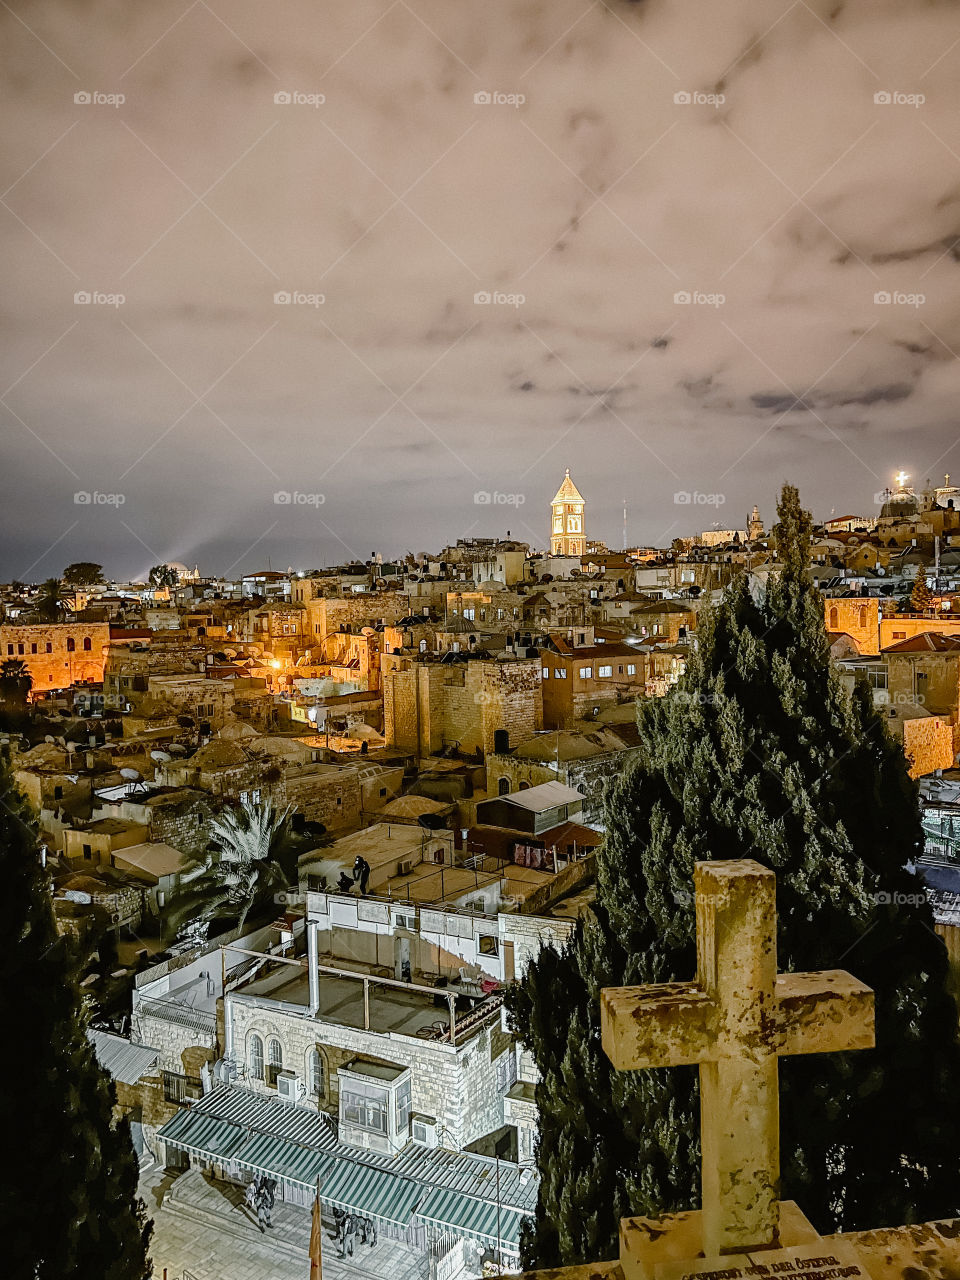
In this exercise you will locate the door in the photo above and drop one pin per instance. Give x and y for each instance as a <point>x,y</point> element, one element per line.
<point>401,958</point>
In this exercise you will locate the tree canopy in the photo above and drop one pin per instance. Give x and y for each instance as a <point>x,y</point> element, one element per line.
<point>760,752</point>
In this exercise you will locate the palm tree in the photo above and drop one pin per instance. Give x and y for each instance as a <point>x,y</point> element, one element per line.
<point>242,871</point>
<point>15,681</point>
<point>51,605</point>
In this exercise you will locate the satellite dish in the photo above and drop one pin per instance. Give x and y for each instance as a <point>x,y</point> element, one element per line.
<point>71,748</point>
<point>133,775</point>
<point>50,738</point>
<point>160,756</point>
<point>177,748</point>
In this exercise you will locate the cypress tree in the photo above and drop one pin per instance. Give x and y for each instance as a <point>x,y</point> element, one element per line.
<point>920,595</point>
<point>759,753</point>
<point>68,1196</point>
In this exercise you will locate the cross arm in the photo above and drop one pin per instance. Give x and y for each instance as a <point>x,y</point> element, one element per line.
<point>669,1024</point>
<point>825,1012</point>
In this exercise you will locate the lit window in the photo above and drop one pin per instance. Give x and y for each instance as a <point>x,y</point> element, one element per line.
<point>586,673</point>
<point>631,669</point>
<point>602,672</point>
<point>546,673</point>
<point>559,674</point>
<point>256,1057</point>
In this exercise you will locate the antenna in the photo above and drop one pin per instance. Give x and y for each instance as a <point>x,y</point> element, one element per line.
<point>624,524</point>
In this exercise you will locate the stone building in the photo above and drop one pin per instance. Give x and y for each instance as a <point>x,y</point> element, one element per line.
<point>460,701</point>
<point>567,536</point>
<point>578,679</point>
<point>857,617</point>
<point>58,654</point>
<point>585,759</point>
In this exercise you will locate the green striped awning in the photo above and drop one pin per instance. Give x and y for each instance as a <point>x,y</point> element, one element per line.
<point>206,1135</point>
<point>478,1219</point>
<point>359,1188</point>
<point>266,1153</point>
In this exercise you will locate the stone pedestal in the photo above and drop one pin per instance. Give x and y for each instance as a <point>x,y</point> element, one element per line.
<point>672,1246</point>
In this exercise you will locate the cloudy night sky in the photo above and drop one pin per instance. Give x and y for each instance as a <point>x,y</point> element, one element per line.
<point>339,153</point>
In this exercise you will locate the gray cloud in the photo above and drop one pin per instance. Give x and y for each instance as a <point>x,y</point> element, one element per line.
<point>599,199</point>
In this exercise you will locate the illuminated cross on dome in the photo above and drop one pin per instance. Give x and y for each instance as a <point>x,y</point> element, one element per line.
<point>901,478</point>
<point>735,1020</point>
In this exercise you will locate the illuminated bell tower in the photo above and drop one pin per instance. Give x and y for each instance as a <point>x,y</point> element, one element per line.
<point>566,524</point>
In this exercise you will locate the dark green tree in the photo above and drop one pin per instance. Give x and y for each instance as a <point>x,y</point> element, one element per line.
<point>68,1197</point>
<point>759,753</point>
<point>15,682</point>
<point>50,602</point>
<point>83,573</point>
<point>163,575</point>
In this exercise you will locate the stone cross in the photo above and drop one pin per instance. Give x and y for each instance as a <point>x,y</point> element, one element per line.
<point>734,1021</point>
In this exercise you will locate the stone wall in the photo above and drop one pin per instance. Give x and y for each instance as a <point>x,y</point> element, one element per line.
<point>928,744</point>
<point>457,1085</point>
<point>858,617</point>
<point>50,659</point>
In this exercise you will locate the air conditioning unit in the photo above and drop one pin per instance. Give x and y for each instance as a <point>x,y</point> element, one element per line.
<point>289,1086</point>
<point>405,866</point>
<point>423,1131</point>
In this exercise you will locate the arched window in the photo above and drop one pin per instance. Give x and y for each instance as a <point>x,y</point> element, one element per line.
<point>274,1059</point>
<point>503,786</point>
<point>71,644</point>
<point>863,616</point>
<point>834,619</point>
<point>524,786</point>
<point>87,644</point>
<point>255,1057</point>
<point>316,1079</point>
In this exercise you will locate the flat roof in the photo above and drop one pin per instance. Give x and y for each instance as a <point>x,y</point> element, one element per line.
<point>154,857</point>
<point>388,1071</point>
<point>548,795</point>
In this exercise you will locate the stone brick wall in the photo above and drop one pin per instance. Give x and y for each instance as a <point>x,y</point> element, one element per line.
<point>463,703</point>
<point>859,618</point>
<point>455,1084</point>
<point>928,744</point>
<point>45,648</point>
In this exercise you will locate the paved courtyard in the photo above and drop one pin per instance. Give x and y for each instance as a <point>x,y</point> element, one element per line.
<point>202,1228</point>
